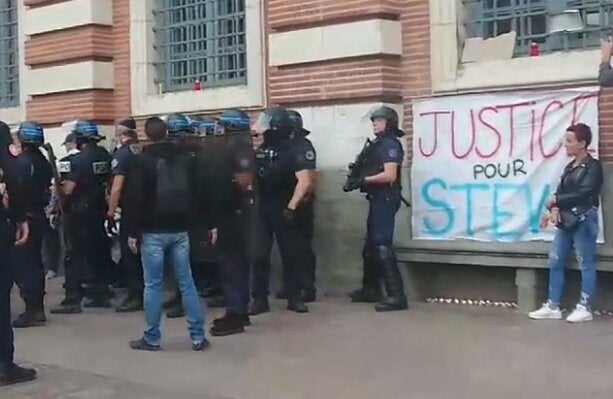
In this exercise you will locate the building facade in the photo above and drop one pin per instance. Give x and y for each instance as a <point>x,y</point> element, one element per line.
<point>332,60</point>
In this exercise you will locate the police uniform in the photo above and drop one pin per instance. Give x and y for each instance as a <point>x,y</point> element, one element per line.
<point>275,184</point>
<point>384,201</point>
<point>233,206</point>
<point>35,177</point>
<point>10,373</point>
<point>89,170</point>
<point>123,164</point>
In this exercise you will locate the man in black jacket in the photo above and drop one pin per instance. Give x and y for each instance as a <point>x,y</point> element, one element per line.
<point>163,202</point>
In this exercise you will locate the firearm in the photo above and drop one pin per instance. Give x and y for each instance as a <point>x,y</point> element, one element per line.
<point>359,169</point>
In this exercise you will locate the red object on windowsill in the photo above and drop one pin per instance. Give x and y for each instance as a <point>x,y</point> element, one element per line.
<point>534,49</point>
<point>197,85</point>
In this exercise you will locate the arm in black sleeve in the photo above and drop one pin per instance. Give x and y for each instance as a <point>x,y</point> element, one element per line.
<point>588,188</point>
<point>133,197</point>
<point>16,197</point>
<point>605,75</point>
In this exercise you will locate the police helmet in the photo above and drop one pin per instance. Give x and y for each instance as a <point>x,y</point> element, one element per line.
<point>177,125</point>
<point>388,114</point>
<point>297,123</point>
<point>274,119</point>
<point>85,129</point>
<point>31,133</point>
<point>208,126</point>
<point>194,122</point>
<point>235,120</point>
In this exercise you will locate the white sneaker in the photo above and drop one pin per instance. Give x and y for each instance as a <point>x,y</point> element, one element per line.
<point>50,275</point>
<point>546,312</point>
<point>580,315</point>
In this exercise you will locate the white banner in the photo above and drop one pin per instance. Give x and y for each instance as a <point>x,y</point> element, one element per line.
<point>484,165</point>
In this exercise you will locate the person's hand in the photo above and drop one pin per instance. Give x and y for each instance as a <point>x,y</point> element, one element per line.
<point>551,202</point>
<point>22,233</point>
<point>289,215</point>
<point>554,216</point>
<point>606,49</point>
<point>213,236</point>
<point>110,215</point>
<point>133,244</point>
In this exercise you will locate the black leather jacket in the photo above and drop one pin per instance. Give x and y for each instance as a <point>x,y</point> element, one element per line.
<point>580,185</point>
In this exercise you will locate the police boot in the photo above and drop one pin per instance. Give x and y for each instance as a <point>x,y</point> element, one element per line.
<point>371,290</point>
<point>177,311</point>
<point>32,317</point>
<point>259,306</point>
<point>13,374</point>
<point>216,302</point>
<point>308,296</point>
<point>392,279</point>
<point>68,306</point>
<point>131,304</point>
<point>231,323</point>
<point>297,306</point>
<point>281,294</point>
<point>97,301</point>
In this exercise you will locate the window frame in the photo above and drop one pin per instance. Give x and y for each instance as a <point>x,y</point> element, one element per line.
<point>192,44</point>
<point>11,44</point>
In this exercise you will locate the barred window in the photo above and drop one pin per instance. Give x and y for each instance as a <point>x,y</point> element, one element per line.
<point>200,40</point>
<point>9,54</point>
<point>529,19</point>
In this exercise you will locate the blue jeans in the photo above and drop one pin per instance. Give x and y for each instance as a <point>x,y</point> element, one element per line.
<point>153,249</point>
<point>583,240</point>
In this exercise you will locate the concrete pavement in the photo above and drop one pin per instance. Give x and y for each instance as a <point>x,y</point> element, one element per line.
<point>337,351</point>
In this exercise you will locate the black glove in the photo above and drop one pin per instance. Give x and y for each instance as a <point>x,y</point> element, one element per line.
<point>353,184</point>
<point>289,216</point>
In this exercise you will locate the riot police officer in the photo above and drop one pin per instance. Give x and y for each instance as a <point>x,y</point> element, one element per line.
<point>84,190</point>
<point>305,218</point>
<point>35,174</point>
<point>122,168</point>
<point>284,169</point>
<point>384,196</point>
<point>234,188</point>
<point>14,232</point>
<point>181,130</point>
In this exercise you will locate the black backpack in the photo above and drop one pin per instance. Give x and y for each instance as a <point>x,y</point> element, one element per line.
<point>173,192</point>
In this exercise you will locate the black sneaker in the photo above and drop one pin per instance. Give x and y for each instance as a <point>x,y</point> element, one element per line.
<point>201,346</point>
<point>143,345</point>
<point>13,374</point>
<point>230,324</point>
<point>259,306</point>
<point>244,318</point>
<point>130,305</point>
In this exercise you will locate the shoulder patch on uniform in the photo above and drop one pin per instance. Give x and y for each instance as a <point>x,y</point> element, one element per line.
<point>309,155</point>
<point>64,167</point>
<point>393,153</point>
<point>114,163</point>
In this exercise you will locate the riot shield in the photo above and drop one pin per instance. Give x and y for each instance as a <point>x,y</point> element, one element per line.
<point>226,177</point>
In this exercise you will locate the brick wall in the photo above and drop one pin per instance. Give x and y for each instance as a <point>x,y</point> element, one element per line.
<point>349,80</point>
<point>121,57</point>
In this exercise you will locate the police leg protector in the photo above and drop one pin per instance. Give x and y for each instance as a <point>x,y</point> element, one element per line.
<point>371,288</point>
<point>392,279</point>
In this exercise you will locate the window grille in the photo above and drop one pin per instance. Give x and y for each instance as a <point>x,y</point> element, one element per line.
<point>200,40</point>
<point>9,54</point>
<point>529,19</point>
